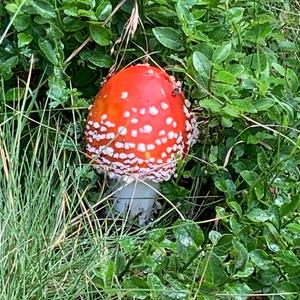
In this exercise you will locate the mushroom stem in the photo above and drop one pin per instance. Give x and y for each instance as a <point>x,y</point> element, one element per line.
<point>135,199</point>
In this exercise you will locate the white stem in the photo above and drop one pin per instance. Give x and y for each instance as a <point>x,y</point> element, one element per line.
<point>135,199</point>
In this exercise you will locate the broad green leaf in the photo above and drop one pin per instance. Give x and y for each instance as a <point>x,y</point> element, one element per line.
<point>7,66</point>
<point>280,69</point>
<point>22,22</point>
<point>100,34</point>
<point>235,206</point>
<point>236,69</point>
<point>128,244</point>
<point>201,64</point>
<point>188,233</point>
<point>260,258</point>
<point>43,8</point>
<point>231,111</point>
<point>168,37</point>
<point>226,122</point>
<point>103,10</point>
<point>211,104</point>
<point>87,14</point>
<point>287,257</point>
<point>247,271</point>
<point>14,94</point>
<point>11,7</point>
<point>292,79</point>
<point>214,236</point>
<point>48,50</point>
<point>224,245</point>
<point>103,274</point>
<point>236,289</point>
<point>57,91</point>
<point>136,286</point>
<point>221,53</point>
<point>287,45</point>
<point>212,268</point>
<point>213,155</point>
<point>250,177</point>
<point>24,39</point>
<point>263,161</point>
<point>244,105</point>
<point>240,254</point>
<point>101,60</point>
<point>235,14</point>
<point>294,228</point>
<point>264,104</point>
<point>258,215</point>
<point>225,77</point>
<point>288,289</point>
<point>260,189</point>
<point>155,284</point>
<point>90,3</point>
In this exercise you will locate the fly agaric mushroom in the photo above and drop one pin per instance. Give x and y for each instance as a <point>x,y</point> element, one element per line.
<point>138,127</point>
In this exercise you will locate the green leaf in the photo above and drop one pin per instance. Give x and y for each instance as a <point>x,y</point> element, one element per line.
<point>136,287</point>
<point>258,215</point>
<point>236,69</point>
<point>87,13</point>
<point>211,104</point>
<point>103,10</point>
<point>7,66</point>
<point>231,111</point>
<point>24,39</point>
<point>214,236</point>
<point>43,8</point>
<point>236,207</point>
<point>100,34</point>
<point>288,258</point>
<point>57,91</point>
<point>48,50</point>
<point>244,105</point>
<point>224,245</point>
<point>212,269</point>
<point>264,104</point>
<point>101,60</point>
<point>221,53</point>
<point>294,228</point>
<point>288,289</point>
<point>22,22</point>
<point>250,177</point>
<point>260,258</point>
<point>155,284</point>
<point>240,254</point>
<point>104,273</point>
<point>225,77</point>
<point>213,155</point>
<point>280,69</point>
<point>168,37</point>
<point>14,94</point>
<point>201,64</point>
<point>128,244</point>
<point>292,79</point>
<point>235,14</point>
<point>260,189</point>
<point>11,7</point>
<point>236,289</point>
<point>188,233</point>
<point>225,122</point>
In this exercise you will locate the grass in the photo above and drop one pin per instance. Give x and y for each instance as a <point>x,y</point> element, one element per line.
<point>42,255</point>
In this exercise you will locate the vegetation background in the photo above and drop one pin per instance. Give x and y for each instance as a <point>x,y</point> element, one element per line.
<point>230,223</point>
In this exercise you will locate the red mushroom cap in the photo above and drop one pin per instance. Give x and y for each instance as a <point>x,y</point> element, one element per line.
<point>139,125</point>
